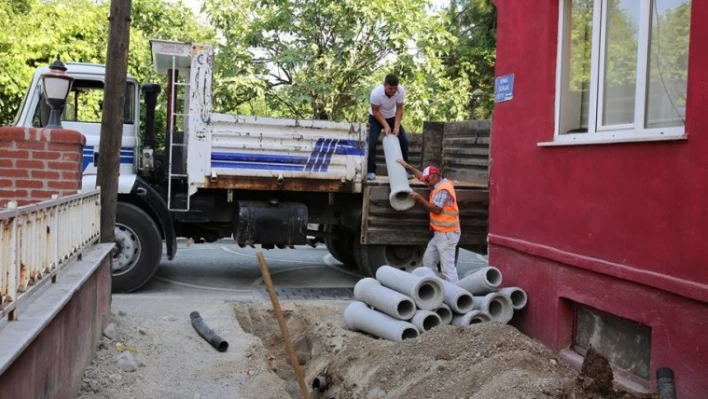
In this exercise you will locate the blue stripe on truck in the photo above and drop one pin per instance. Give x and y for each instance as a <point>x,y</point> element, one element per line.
<point>318,160</point>
<point>127,156</point>
<point>269,158</point>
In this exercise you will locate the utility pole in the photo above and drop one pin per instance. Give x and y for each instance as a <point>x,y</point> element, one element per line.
<point>112,119</point>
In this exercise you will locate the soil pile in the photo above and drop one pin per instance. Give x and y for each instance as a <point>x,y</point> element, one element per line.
<point>482,361</point>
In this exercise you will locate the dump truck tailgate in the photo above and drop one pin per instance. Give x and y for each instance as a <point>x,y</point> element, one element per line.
<point>383,225</point>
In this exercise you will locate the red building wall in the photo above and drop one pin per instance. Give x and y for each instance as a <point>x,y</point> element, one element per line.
<point>619,227</point>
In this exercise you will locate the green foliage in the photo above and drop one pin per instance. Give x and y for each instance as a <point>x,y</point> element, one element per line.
<point>474,23</point>
<point>36,31</point>
<point>285,58</point>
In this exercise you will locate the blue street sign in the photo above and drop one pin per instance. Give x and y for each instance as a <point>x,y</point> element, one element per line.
<point>504,88</point>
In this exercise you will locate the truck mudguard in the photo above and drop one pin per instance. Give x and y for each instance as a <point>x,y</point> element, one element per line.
<point>159,207</point>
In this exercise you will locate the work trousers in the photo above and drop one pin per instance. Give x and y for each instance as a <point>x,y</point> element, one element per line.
<point>441,248</point>
<point>374,132</point>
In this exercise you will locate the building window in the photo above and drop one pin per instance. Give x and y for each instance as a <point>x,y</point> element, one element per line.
<point>622,69</point>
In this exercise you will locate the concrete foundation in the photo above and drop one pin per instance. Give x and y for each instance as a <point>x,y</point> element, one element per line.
<point>45,352</point>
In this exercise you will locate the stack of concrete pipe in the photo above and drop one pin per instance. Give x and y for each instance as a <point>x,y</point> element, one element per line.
<point>398,305</point>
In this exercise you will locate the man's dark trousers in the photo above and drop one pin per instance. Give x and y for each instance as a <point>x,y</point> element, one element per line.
<point>374,132</point>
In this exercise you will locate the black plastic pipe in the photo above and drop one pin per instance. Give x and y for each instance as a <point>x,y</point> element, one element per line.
<point>665,383</point>
<point>320,384</point>
<point>205,332</point>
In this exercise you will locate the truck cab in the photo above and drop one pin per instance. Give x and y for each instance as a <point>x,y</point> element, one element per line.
<point>83,112</point>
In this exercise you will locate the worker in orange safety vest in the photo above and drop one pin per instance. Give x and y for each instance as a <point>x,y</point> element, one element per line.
<point>444,220</point>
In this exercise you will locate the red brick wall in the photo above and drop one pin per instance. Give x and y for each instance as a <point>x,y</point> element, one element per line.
<point>37,163</point>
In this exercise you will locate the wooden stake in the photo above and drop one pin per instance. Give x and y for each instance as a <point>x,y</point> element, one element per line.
<point>283,327</point>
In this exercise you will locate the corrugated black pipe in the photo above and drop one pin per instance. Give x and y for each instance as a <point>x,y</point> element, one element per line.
<point>210,336</point>
<point>665,383</point>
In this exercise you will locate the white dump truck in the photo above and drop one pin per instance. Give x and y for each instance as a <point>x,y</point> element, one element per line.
<point>261,181</point>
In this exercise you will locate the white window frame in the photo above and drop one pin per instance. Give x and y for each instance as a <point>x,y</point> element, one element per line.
<point>598,134</point>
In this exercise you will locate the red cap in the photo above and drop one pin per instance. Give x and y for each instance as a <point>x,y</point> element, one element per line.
<point>430,170</point>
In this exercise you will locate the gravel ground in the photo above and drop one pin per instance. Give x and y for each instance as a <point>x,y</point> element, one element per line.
<point>165,358</point>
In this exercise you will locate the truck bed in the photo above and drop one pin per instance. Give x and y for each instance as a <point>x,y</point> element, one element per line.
<point>255,153</point>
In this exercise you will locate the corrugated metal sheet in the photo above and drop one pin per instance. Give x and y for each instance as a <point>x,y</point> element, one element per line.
<point>466,151</point>
<point>297,149</point>
<point>386,226</point>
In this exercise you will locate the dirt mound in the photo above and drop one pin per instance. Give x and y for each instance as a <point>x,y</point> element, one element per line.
<point>595,381</point>
<point>486,360</point>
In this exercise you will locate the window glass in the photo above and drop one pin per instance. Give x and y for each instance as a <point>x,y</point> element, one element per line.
<point>575,104</point>
<point>620,72</point>
<point>668,63</point>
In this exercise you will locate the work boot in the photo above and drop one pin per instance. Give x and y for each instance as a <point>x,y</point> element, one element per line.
<point>371,176</point>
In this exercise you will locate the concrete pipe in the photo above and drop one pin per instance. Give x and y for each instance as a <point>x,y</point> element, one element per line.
<point>457,298</point>
<point>471,317</point>
<point>517,296</point>
<point>427,292</point>
<point>386,300</point>
<point>482,282</point>
<point>358,316</point>
<point>397,175</point>
<point>445,314</point>
<point>496,305</point>
<point>425,320</point>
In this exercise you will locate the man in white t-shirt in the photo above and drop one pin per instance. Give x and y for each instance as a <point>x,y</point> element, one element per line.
<point>386,112</point>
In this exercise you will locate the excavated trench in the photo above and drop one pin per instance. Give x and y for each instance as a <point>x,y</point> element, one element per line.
<point>482,361</point>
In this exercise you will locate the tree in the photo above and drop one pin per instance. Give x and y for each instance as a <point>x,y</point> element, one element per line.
<point>77,30</point>
<point>320,59</point>
<point>474,24</point>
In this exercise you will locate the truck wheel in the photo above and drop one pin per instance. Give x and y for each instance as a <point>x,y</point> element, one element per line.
<point>404,257</point>
<point>341,246</point>
<point>138,248</point>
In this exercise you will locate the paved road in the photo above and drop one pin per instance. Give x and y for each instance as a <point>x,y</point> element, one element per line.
<point>224,269</point>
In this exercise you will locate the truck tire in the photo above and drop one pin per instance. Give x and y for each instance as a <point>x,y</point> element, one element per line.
<point>138,248</point>
<point>341,247</point>
<point>371,257</point>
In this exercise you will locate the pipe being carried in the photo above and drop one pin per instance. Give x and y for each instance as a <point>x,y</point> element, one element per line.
<point>358,316</point>
<point>427,292</point>
<point>445,314</point>
<point>425,320</point>
<point>482,281</point>
<point>471,317</point>
<point>517,296</point>
<point>459,300</point>
<point>497,306</point>
<point>384,299</point>
<point>397,176</point>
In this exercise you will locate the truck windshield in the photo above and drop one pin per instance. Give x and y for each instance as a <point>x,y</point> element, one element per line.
<point>85,102</point>
<point>16,121</point>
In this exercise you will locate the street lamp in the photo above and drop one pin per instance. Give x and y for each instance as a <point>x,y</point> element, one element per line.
<point>56,85</point>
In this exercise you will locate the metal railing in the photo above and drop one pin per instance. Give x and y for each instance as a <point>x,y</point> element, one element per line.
<point>37,240</point>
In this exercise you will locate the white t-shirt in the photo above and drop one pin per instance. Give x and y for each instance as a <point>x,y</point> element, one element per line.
<point>387,105</point>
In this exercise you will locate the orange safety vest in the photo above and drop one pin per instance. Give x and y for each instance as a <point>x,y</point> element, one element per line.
<point>449,219</point>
